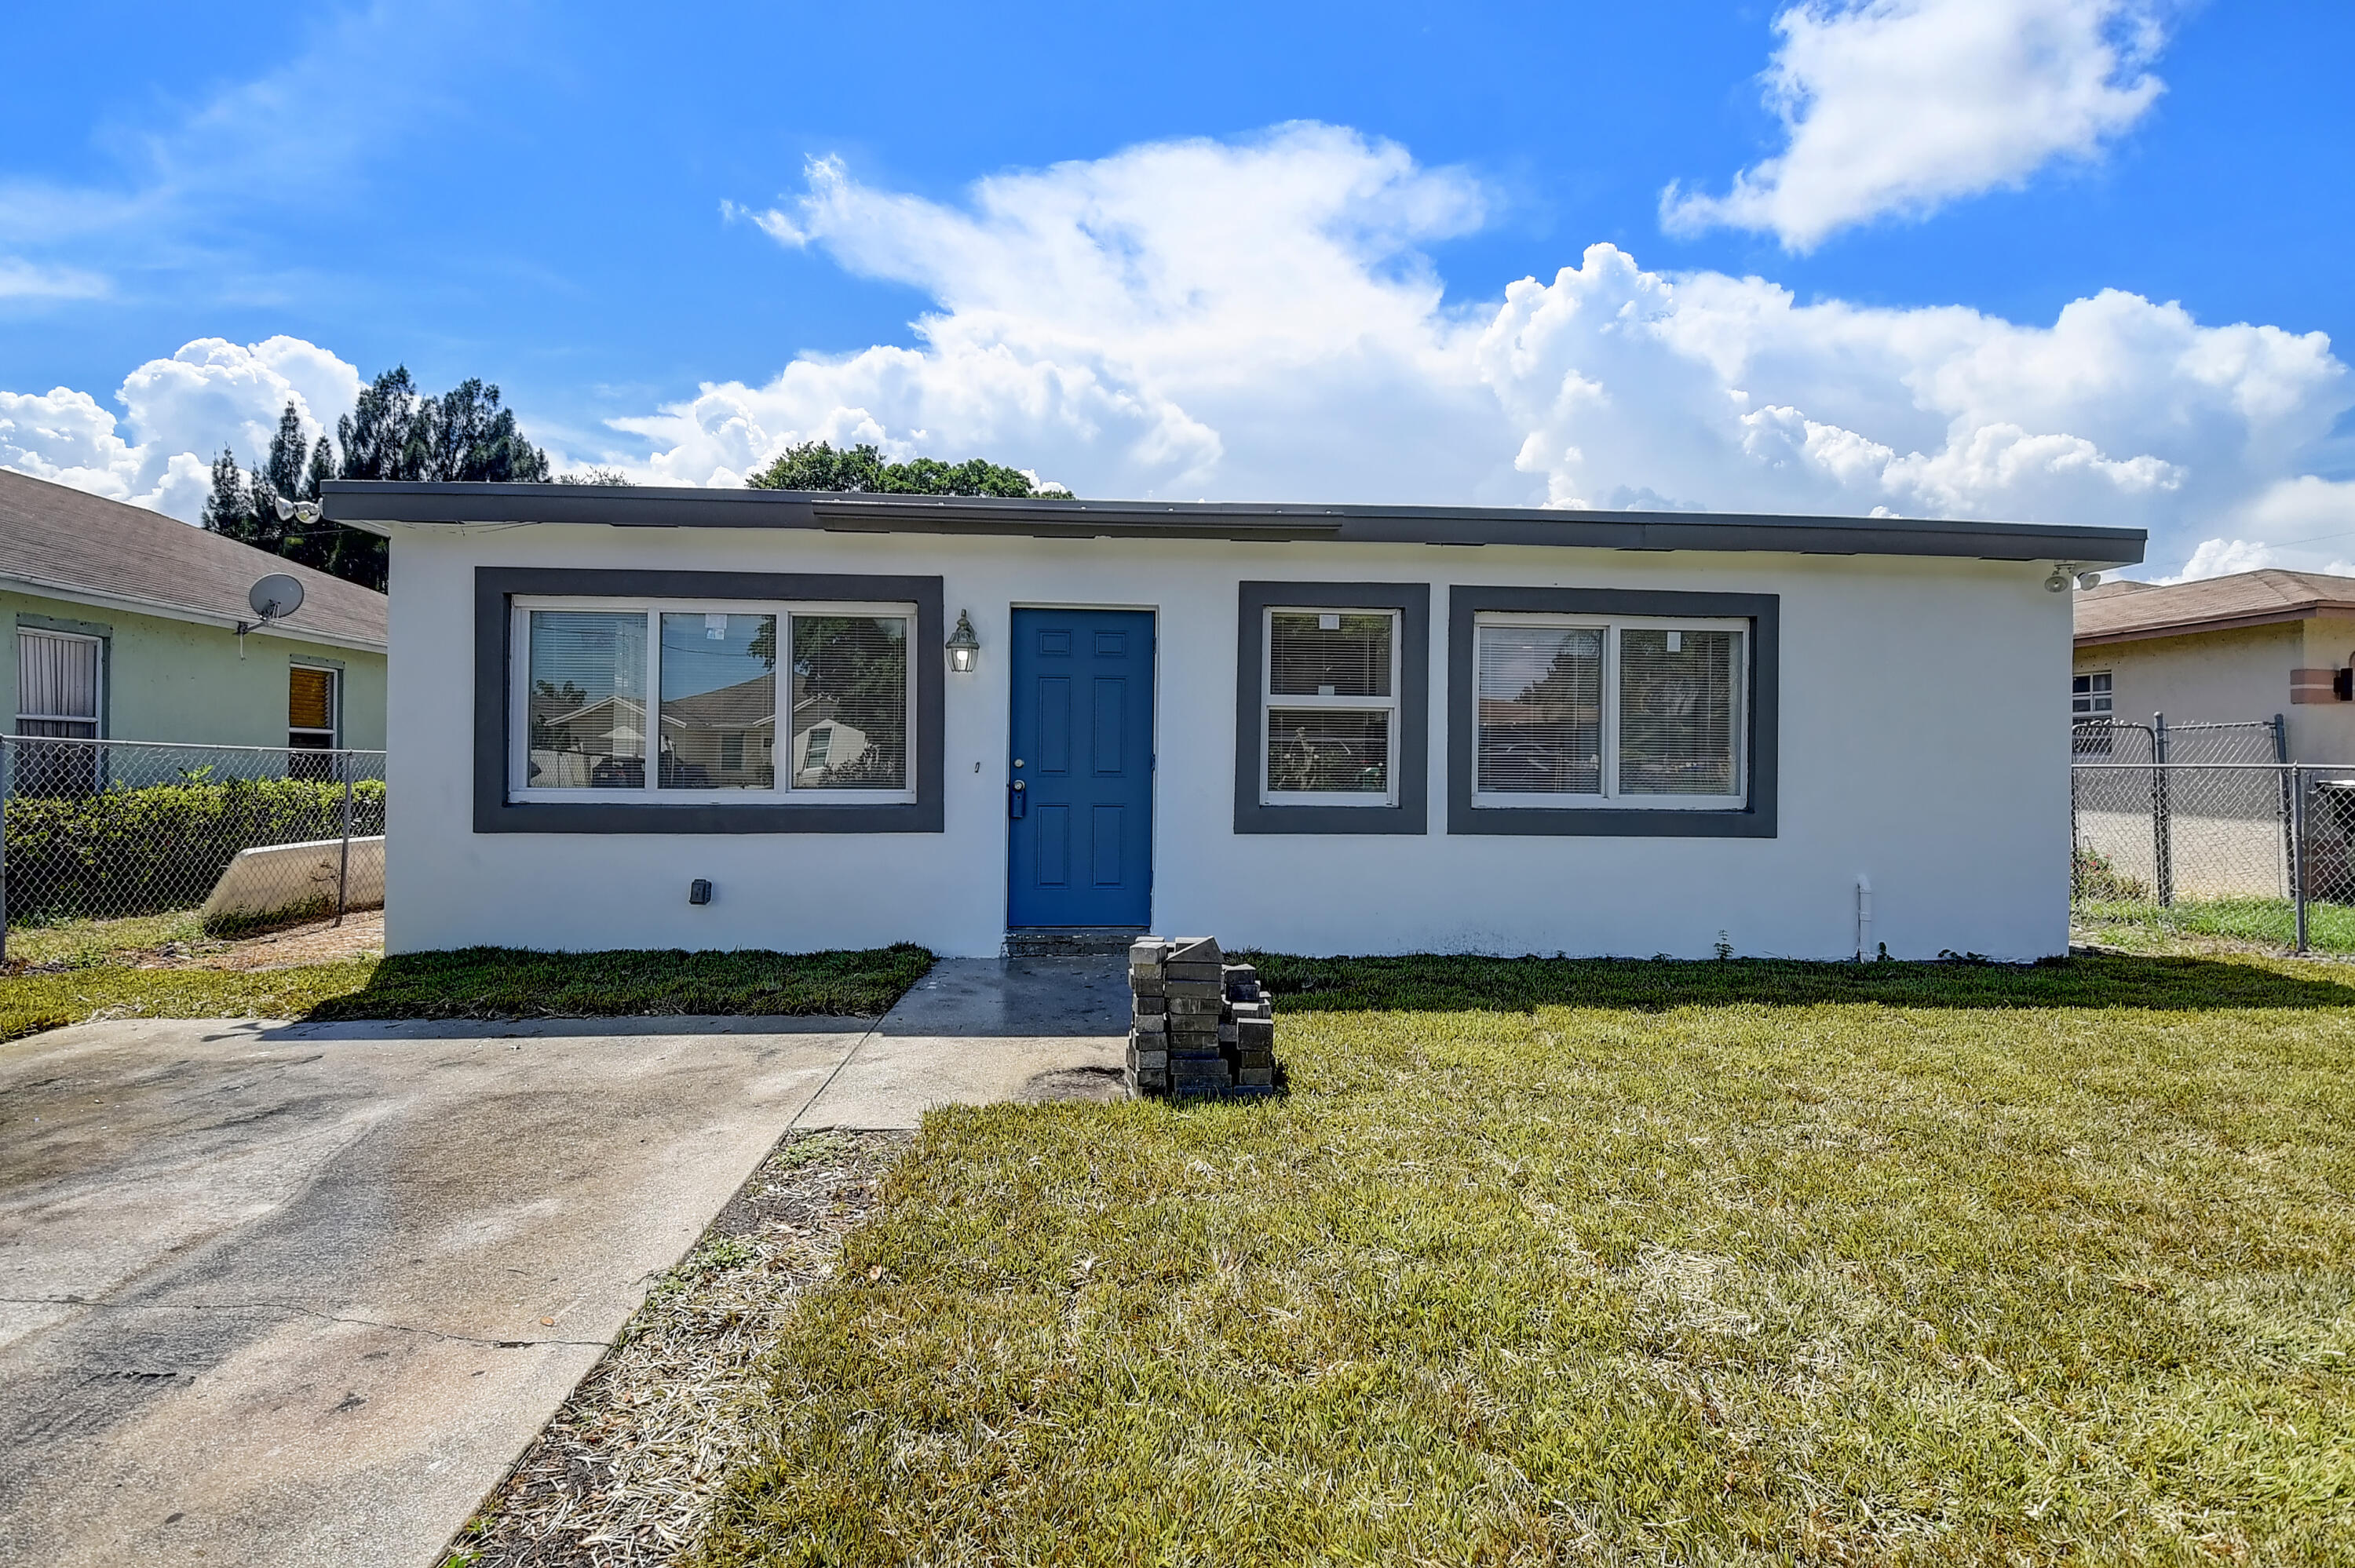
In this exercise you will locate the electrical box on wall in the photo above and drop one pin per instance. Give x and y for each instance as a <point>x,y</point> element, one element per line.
<point>2342,685</point>
<point>699,891</point>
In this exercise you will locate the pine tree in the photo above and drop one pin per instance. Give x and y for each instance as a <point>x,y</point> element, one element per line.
<point>228,509</point>
<point>322,469</point>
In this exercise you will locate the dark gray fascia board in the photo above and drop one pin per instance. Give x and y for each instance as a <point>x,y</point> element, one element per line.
<point>495,590</point>
<point>1412,814</point>
<point>1757,820</point>
<point>375,504</point>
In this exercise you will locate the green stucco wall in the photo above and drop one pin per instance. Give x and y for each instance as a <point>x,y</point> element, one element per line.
<point>171,680</point>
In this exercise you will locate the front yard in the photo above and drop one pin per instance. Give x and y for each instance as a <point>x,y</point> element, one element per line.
<point>1692,1263</point>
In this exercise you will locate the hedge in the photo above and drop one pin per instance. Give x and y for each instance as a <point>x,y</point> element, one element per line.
<point>145,851</point>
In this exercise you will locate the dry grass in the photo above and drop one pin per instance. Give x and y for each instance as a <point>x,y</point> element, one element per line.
<point>627,1472</point>
<point>1705,1264</point>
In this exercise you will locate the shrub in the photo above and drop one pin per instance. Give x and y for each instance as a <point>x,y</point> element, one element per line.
<point>140,851</point>
<point>2097,881</point>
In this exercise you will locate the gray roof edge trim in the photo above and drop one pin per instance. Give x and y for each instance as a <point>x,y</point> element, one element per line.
<point>362,502</point>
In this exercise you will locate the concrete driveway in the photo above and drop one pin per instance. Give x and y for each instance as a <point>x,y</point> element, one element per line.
<point>299,1294</point>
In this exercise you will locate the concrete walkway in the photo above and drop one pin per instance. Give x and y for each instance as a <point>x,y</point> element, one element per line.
<point>299,1294</point>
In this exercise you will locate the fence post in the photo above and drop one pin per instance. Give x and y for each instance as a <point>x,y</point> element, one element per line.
<point>4,771</point>
<point>2298,849</point>
<point>344,862</point>
<point>2162,831</point>
<point>2281,759</point>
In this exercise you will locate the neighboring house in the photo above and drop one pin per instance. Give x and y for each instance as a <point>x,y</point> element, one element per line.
<point>122,626</point>
<point>1320,729</point>
<point>2223,649</point>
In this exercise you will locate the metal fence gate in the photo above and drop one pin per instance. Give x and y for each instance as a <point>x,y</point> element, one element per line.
<point>102,829</point>
<point>2209,826</point>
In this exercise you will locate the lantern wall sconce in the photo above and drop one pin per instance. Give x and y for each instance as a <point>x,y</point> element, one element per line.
<point>964,647</point>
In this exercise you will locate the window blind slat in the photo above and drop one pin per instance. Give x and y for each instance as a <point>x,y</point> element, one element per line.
<point>57,684</point>
<point>1349,657</point>
<point>1540,710</point>
<point>851,702</point>
<point>1675,711</point>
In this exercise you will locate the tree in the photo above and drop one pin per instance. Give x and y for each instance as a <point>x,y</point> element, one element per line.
<point>815,465</point>
<point>393,432</point>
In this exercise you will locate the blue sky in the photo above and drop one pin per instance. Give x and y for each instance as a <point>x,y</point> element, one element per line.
<point>1238,251</point>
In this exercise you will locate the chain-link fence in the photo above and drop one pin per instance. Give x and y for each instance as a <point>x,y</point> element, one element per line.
<point>102,829</point>
<point>2255,850</point>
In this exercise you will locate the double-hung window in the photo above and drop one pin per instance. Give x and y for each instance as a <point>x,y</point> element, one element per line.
<point>734,700</point>
<point>313,707</point>
<point>1622,712</point>
<point>2091,697</point>
<point>1329,704</point>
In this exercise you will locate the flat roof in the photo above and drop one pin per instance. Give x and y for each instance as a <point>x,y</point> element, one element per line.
<point>378,507</point>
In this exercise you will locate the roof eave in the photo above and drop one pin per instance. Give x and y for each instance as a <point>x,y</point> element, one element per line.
<point>75,593</point>
<point>382,507</point>
<point>2287,615</point>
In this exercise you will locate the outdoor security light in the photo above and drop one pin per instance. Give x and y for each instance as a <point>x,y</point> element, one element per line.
<point>964,647</point>
<point>2058,582</point>
<point>2089,579</point>
<point>306,512</point>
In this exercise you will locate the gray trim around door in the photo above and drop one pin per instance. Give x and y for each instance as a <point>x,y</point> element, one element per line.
<point>1755,820</point>
<point>496,587</point>
<point>1412,813</point>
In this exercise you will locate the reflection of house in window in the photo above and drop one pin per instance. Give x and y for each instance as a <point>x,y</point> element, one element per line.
<point>722,739</point>
<point>825,748</point>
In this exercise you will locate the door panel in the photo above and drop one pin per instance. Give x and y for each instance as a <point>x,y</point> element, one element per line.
<point>1080,834</point>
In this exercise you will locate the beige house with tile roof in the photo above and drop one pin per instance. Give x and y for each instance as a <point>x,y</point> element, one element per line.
<point>2225,650</point>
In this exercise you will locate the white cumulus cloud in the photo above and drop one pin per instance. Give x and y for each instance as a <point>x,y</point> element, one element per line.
<point>1900,106</point>
<point>1260,320</point>
<point>179,413</point>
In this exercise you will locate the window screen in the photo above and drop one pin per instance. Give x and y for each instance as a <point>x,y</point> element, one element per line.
<point>1677,707</point>
<point>719,701</point>
<point>58,679</point>
<point>1331,704</point>
<point>587,702</point>
<point>851,702</point>
<point>310,708</point>
<point>1541,709</point>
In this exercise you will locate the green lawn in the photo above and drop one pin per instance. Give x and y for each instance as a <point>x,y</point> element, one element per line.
<point>2272,923</point>
<point>1552,1261</point>
<point>475,982</point>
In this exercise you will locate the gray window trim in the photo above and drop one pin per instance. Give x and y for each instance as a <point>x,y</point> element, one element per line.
<point>1754,821</point>
<point>1412,813</point>
<point>495,587</point>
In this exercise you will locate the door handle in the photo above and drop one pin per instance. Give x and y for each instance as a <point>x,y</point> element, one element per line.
<point>1017,802</point>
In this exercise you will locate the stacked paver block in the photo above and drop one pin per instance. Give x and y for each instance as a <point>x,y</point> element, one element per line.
<point>1202,1025</point>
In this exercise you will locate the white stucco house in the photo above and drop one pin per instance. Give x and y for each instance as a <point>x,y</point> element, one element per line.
<point>1317,729</point>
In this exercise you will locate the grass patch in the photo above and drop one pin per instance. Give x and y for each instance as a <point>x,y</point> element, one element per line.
<point>2256,922</point>
<point>1693,1263</point>
<point>478,982</point>
<point>86,944</point>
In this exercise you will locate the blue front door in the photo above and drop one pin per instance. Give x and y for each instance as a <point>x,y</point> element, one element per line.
<point>1079,796</point>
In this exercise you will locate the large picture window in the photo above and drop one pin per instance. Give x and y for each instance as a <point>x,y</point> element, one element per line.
<point>667,701</point>
<point>1611,711</point>
<point>1642,713</point>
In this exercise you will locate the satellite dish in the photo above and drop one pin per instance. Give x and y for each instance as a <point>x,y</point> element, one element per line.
<point>275,597</point>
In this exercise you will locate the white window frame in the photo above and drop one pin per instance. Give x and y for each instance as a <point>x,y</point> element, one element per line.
<point>1269,699</point>
<point>1611,799</point>
<point>335,730</point>
<point>651,793</point>
<point>96,721</point>
<point>2107,696</point>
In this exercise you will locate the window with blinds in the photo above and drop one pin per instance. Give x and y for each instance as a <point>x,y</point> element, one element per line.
<point>730,723</point>
<point>1329,700</point>
<point>1632,713</point>
<point>312,708</point>
<point>60,684</point>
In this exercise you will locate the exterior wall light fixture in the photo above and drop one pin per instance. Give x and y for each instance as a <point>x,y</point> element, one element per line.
<point>964,647</point>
